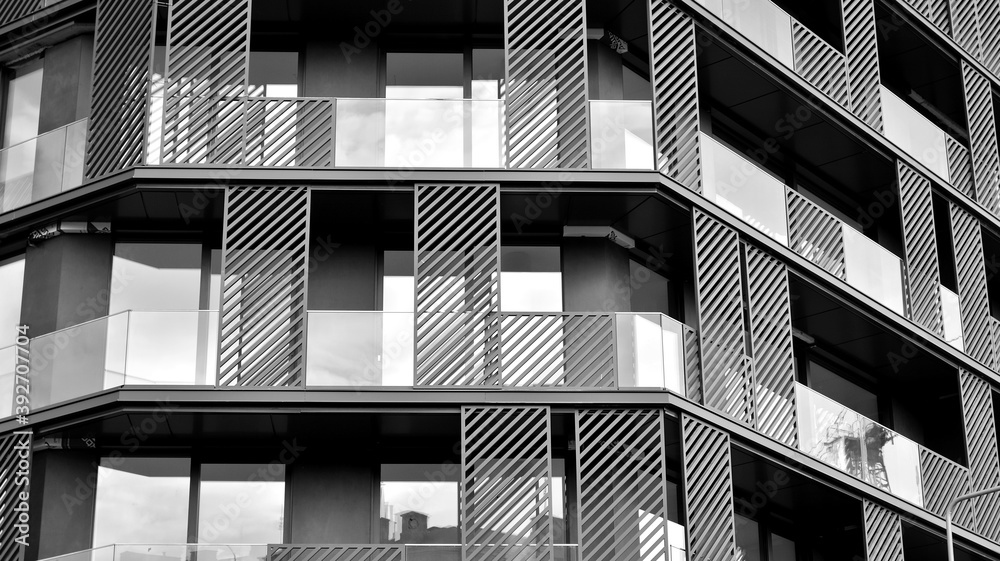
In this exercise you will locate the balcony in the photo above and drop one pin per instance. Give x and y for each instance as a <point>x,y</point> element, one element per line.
<point>915,134</point>
<point>760,21</point>
<point>621,134</point>
<point>169,552</point>
<point>43,166</point>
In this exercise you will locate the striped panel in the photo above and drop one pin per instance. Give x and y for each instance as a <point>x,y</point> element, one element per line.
<point>989,32</point>
<point>506,484</point>
<point>862,61</point>
<point>965,21</point>
<point>674,72</point>
<point>981,443</point>
<point>959,167</point>
<point>290,132</point>
<point>458,292</point>
<point>708,491</point>
<point>922,272</point>
<point>934,10</point>
<point>692,366</point>
<point>14,474</point>
<point>883,533</point>
<point>943,480</point>
<point>972,292</point>
<point>264,286</point>
<point>822,65</point>
<point>116,135</point>
<point>567,350</point>
<point>206,63</point>
<point>982,138</point>
<point>815,234</point>
<point>771,335</point>
<point>727,377</point>
<point>11,10</point>
<point>623,485</point>
<point>546,84</point>
<point>285,552</point>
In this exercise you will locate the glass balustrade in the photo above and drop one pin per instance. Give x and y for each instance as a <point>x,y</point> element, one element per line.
<point>760,21</point>
<point>914,134</point>
<point>742,188</point>
<point>650,351</point>
<point>951,313</point>
<point>360,349</point>
<point>8,358</point>
<point>838,436</point>
<point>873,270</point>
<point>621,134</point>
<point>169,552</point>
<point>43,166</point>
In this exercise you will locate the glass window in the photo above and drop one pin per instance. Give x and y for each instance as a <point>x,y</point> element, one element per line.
<point>782,549</point>
<point>142,500</point>
<point>11,286</point>
<point>843,391</point>
<point>274,74</point>
<point>530,279</point>
<point>242,503</point>
<point>155,276</point>
<point>424,76</point>
<point>419,504</point>
<point>24,95</point>
<point>487,73</point>
<point>747,539</point>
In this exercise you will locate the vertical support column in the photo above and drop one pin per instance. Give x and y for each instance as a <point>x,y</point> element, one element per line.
<point>708,491</point>
<point>622,485</point>
<point>982,138</point>
<point>674,76</point>
<point>547,99</point>
<point>862,61</point>
<point>972,293</point>
<point>457,273</point>
<point>123,62</point>
<point>981,441</point>
<point>506,483</point>
<point>206,75</point>
<point>265,260</point>
<point>725,369</point>
<point>922,272</point>
<point>771,336</point>
<point>15,469</point>
<point>883,533</point>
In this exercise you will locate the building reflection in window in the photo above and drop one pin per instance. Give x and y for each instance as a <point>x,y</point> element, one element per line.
<point>419,504</point>
<point>241,503</point>
<point>142,500</point>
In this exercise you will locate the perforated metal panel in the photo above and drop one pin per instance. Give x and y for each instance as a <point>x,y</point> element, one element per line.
<point>674,72</point>
<point>286,552</point>
<point>972,292</point>
<point>883,533</point>
<point>982,138</point>
<point>981,442</point>
<point>457,283</point>
<point>546,45</point>
<point>15,470</point>
<point>725,369</point>
<point>771,337</point>
<point>262,340</point>
<point>960,167</point>
<point>506,484</point>
<point>708,491</point>
<point>815,234</point>
<point>11,10</point>
<point>818,62</point>
<point>943,480</point>
<point>567,350</point>
<point>116,135</point>
<point>862,61</point>
<point>622,485</point>
<point>920,243</point>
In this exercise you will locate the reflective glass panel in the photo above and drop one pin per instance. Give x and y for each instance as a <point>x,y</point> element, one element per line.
<point>747,539</point>
<point>142,500</point>
<point>915,134</point>
<point>156,276</point>
<point>11,287</point>
<point>872,269</point>
<point>893,462</point>
<point>952,313</point>
<point>419,504</point>
<point>828,431</point>
<point>622,134</point>
<point>360,349</point>
<point>172,347</point>
<point>24,95</point>
<point>530,279</point>
<point>760,21</point>
<point>241,503</point>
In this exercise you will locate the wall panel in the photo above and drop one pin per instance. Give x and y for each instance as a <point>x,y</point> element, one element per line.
<point>708,495</point>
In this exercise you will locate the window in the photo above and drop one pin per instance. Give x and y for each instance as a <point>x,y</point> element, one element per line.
<point>11,286</point>
<point>156,276</point>
<point>416,508</point>
<point>241,503</point>
<point>530,279</point>
<point>274,74</point>
<point>757,543</point>
<point>843,391</point>
<point>24,95</point>
<point>142,500</point>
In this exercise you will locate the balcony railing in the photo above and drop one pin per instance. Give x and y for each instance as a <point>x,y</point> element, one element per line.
<point>951,312</point>
<point>760,21</point>
<point>621,134</point>
<point>170,552</point>
<point>845,439</point>
<point>915,134</point>
<point>43,166</point>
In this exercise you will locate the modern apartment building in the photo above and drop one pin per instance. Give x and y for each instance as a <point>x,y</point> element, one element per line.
<point>484,280</point>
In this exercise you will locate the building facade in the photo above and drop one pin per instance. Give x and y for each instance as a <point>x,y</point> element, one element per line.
<point>654,280</point>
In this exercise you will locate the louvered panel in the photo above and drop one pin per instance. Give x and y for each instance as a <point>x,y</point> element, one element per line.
<point>982,138</point>
<point>972,292</point>
<point>708,485</point>
<point>989,32</point>
<point>771,336</point>
<point>506,484</point>
<point>819,63</point>
<point>883,533</point>
<point>290,132</point>
<point>981,442</point>
<point>285,552</point>
<point>692,366</point>
<point>959,167</point>
<point>943,480</point>
<point>206,64</point>
<point>920,243</point>
<point>965,22</point>
<point>862,61</point>
<point>14,473</point>
<point>546,84</point>
<point>815,234</point>
<point>264,286</point>
<point>934,10</point>
<point>567,350</point>
<point>11,10</point>
<point>116,135</point>
<point>622,485</point>
<point>674,72</point>
<point>457,272</point>
<point>726,372</point>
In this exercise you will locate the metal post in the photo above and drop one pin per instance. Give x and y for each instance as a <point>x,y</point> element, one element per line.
<point>950,512</point>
